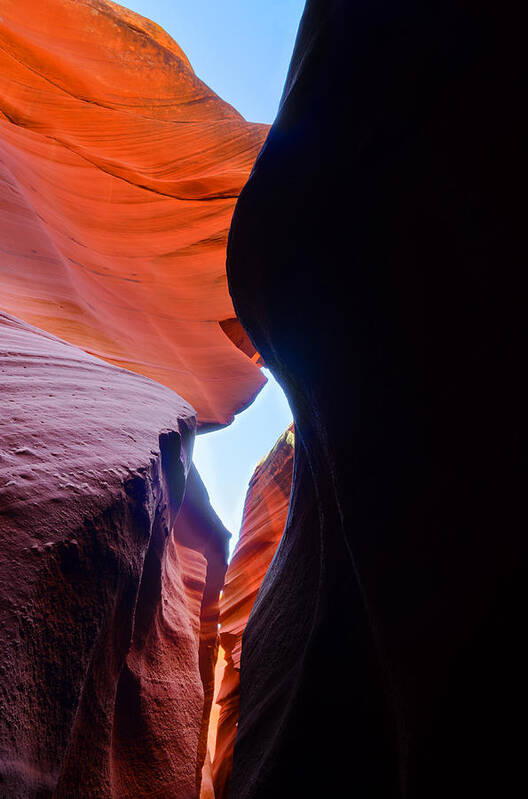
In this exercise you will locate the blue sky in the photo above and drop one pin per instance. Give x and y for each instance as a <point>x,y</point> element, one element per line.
<point>241,49</point>
<point>227,458</point>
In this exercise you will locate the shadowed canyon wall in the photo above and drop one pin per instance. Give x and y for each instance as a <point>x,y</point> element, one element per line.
<point>265,512</point>
<point>374,260</point>
<point>108,595</point>
<point>119,170</point>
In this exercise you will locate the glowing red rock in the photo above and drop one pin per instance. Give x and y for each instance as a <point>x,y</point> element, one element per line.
<point>119,170</point>
<point>108,598</point>
<point>265,513</point>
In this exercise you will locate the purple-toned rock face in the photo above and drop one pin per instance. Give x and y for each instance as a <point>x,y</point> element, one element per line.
<point>101,691</point>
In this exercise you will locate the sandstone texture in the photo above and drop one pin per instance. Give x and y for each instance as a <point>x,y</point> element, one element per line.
<point>108,595</point>
<point>119,170</point>
<point>265,513</point>
<point>374,259</point>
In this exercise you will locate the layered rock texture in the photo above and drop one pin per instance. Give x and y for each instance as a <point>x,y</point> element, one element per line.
<point>265,512</point>
<point>119,170</point>
<point>108,595</point>
<point>374,260</point>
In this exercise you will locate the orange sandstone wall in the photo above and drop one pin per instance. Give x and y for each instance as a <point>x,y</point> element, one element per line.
<point>265,513</point>
<point>119,171</point>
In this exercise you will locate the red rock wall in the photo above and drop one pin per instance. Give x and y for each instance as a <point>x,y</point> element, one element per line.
<point>265,513</point>
<point>108,591</point>
<point>119,170</point>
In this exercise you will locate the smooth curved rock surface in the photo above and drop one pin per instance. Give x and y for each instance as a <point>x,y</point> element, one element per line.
<point>265,513</point>
<point>119,170</point>
<point>374,259</point>
<point>108,591</point>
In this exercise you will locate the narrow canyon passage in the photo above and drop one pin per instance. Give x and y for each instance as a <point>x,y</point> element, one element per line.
<point>265,513</point>
<point>264,516</point>
<point>250,494</point>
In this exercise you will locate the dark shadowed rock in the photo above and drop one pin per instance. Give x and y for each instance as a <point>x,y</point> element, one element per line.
<point>374,260</point>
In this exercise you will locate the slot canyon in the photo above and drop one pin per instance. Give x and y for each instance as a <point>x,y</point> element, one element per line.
<point>156,250</point>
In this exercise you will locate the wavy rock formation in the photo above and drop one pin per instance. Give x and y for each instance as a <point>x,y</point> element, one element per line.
<point>387,635</point>
<point>108,596</point>
<point>119,170</point>
<point>265,512</point>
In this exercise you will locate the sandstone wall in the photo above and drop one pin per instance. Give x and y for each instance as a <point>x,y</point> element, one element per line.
<point>119,171</point>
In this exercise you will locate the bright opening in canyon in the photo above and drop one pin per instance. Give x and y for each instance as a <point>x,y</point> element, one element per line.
<point>226,459</point>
